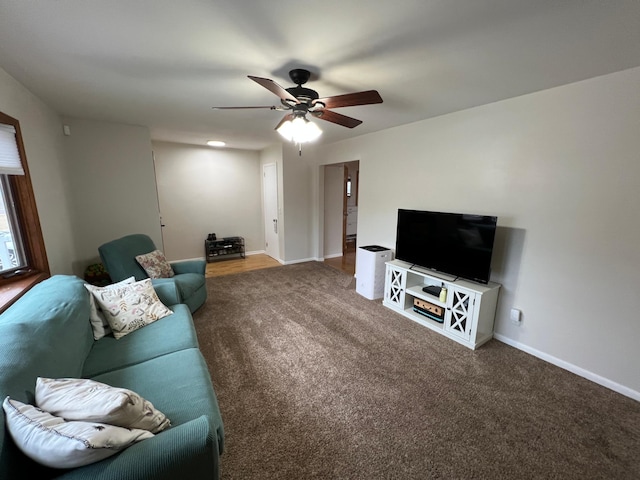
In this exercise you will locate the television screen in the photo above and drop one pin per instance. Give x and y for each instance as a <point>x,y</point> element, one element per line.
<point>453,243</point>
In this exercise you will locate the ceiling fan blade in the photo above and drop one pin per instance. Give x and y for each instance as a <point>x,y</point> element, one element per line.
<point>273,87</point>
<point>338,118</point>
<point>270,107</point>
<point>351,99</point>
<point>288,116</point>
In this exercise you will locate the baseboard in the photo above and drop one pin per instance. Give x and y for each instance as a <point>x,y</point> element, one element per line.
<point>605,382</point>
<point>334,255</point>
<point>255,252</point>
<point>302,260</point>
<point>187,259</point>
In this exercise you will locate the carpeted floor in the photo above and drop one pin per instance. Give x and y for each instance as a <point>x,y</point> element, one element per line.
<point>315,381</point>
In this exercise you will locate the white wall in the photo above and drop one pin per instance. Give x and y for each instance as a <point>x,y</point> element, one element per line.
<point>42,135</point>
<point>300,193</point>
<point>112,184</point>
<point>561,169</point>
<point>205,190</point>
<point>333,209</point>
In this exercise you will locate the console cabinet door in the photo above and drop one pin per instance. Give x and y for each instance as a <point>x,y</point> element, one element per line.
<point>395,285</point>
<point>459,317</point>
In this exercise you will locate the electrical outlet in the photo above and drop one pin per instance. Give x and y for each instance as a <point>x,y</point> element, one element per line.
<point>516,316</point>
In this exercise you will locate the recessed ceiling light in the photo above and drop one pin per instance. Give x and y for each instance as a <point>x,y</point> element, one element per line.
<point>216,143</point>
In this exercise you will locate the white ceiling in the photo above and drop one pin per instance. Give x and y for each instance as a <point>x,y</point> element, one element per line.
<point>165,63</point>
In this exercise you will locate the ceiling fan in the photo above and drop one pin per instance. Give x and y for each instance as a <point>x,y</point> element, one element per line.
<point>300,101</point>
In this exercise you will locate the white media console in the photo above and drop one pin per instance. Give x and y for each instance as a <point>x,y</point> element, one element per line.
<point>466,315</point>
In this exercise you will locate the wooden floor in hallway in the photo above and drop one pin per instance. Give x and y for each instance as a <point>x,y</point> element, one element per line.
<point>237,265</point>
<point>346,263</point>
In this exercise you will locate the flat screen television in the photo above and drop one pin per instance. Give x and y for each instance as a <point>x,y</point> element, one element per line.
<point>457,244</point>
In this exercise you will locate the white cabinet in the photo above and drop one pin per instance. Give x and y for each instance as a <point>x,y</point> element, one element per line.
<point>466,315</point>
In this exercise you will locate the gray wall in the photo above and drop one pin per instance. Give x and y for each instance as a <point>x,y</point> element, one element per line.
<point>560,168</point>
<point>333,210</point>
<point>300,191</point>
<point>112,183</point>
<point>43,143</point>
<point>204,190</point>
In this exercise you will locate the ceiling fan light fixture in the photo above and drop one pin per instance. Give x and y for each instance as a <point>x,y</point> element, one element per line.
<point>299,130</point>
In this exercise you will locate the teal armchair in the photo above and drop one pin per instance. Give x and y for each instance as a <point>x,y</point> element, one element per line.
<point>119,258</point>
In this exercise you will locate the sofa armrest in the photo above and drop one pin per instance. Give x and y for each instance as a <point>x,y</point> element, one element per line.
<point>189,450</point>
<point>167,291</point>
<point>189,266</point>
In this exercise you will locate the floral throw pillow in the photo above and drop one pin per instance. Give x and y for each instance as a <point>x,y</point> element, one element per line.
<point>99,324</point>
<point>155,264</point>
<point>129,307</point>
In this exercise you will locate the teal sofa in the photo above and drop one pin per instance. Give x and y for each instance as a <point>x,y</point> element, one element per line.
<point>47,333</point>
<point>119,258</point>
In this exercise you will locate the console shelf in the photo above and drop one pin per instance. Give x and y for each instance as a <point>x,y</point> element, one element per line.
<point>223,249</point>
<point>468,310</point>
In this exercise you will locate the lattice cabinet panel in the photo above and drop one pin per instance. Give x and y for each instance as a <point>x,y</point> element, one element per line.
<point>461,307</point>
<point>395,284</point>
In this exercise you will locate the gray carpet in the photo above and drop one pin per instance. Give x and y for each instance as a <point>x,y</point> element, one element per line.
<point>315,381</point>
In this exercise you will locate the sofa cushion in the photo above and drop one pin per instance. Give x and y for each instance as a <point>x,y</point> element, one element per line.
<point>57,443</point>
<point>178,384</point>
<point>86,400</point>
<point>170,334</point>
<point>188,283</point>
<point>189,266</point>
<point>129,307</point>
<point>186,451</point>
<point>45,333</point>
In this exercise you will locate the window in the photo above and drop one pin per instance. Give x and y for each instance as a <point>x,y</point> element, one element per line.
<point>12,256</point>
<point>23,259</point>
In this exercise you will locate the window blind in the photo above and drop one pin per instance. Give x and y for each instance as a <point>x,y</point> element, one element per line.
<point>10,163</point>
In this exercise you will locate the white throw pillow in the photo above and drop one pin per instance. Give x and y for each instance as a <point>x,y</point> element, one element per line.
<point>91,401</point>
<point>56,443</point>
<point>99,324</point>
<point>129,307</point>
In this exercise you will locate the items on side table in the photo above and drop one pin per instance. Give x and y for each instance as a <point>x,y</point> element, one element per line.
<point>96,274</point>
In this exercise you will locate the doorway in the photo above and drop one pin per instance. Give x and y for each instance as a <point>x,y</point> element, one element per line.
<point>341,185</point>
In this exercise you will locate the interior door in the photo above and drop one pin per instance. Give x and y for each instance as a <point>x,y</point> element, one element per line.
<point>271,227</point>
